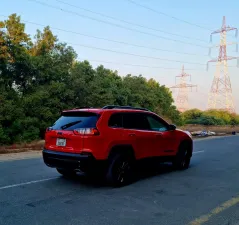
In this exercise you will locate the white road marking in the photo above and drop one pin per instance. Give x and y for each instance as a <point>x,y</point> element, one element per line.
<point>198,152</point>
<point>30,182</point>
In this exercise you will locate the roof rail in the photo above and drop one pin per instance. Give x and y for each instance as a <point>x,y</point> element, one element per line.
<point>83,107</point>
<point>123,107</point>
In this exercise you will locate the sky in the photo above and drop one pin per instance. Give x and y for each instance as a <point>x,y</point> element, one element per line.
<point>179,42</point>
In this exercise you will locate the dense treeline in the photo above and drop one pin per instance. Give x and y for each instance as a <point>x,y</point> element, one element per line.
<point>40,77</point>
<point>210,117</point>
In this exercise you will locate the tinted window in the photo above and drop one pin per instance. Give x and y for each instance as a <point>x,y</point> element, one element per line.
<point>75,120</point>
<point>156,124</point>
<point>135,121</point>
<point>115,120</point>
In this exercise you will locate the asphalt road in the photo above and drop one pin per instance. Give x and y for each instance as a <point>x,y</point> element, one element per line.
<point>206,193</point>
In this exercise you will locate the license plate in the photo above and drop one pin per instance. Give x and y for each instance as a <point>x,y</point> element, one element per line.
<point>60,142</point>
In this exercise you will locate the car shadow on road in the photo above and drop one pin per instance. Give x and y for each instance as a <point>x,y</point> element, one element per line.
<point>143,172</point>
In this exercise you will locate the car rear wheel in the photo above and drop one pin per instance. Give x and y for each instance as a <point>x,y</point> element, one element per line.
<point>183,158</point>
<point>66,173</point>
<point>120,171</point>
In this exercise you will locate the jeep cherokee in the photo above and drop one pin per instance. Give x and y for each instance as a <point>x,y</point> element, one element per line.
<point>113,139</point>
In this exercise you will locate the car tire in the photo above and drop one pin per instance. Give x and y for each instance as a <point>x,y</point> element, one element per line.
<point>120,170</point>
<point>66,173</point>
<point>183,158</point>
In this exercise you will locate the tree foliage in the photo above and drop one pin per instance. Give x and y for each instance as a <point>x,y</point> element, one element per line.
<point>210,117</point>
<point>40,77</point>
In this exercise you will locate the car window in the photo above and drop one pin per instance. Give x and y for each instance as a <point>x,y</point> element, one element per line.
<point>135,121</point>
<point>156,124</point>
<point>75,120</point>
<point>115,120</point>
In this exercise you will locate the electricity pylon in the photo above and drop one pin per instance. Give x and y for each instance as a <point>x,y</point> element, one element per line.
<point>182,97</point>
<point>220,96</point>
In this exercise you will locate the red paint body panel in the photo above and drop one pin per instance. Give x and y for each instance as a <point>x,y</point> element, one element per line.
<point>145,143</point>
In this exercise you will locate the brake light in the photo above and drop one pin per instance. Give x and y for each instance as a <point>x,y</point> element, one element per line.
<point>86,131</point>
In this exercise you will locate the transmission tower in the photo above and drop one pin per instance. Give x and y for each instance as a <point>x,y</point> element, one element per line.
<point>182,97</point>
<point>220,96</point>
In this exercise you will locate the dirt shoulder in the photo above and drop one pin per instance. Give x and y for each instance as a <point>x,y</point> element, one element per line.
<point>17,148</point>
<point>20,155</point>
<point>217,129</point>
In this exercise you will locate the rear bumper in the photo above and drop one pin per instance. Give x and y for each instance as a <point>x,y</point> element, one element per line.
<point>65,160</point>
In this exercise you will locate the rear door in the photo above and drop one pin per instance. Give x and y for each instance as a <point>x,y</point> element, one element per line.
<point>65,134</point>
<point>137,129</point>
<point>165,141</point>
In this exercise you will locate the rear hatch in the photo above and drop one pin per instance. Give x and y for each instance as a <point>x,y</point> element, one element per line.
<point>66,134</point>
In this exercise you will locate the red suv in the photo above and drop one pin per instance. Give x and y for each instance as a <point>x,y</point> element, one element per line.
<point>113,138</point>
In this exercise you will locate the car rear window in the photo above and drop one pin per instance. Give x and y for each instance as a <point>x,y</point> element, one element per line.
<point>76,120</point>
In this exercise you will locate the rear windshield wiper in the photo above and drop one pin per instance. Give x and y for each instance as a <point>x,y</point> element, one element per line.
<point>70,124</point>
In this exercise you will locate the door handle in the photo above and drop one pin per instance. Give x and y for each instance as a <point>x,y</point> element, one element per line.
<point>132,134</point>
<point>159,135</point>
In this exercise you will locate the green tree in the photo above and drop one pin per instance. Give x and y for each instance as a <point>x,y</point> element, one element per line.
<point>45,42</point>
<point>39,78</point>
<point>210,117</point>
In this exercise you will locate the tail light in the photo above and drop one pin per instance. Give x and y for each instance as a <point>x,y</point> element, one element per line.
<point>86,131</point>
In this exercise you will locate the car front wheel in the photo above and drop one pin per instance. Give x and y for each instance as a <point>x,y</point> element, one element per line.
<point>183,158</point>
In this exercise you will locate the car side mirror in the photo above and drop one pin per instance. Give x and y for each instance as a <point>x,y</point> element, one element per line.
<point>172,127</point>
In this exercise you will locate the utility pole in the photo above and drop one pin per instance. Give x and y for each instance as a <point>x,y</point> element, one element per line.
<point>182,97</point>
<point>220,96</point>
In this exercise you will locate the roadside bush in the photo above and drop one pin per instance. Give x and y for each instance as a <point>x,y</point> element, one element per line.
<point>210,117</point>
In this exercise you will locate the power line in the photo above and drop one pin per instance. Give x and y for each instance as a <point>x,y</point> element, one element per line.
<point>127,22</point>
<point>131,54</point>
<point>126,53</point>
<point>109,40</point>
<point>116,25</point>
<point>165,14</point>
<point>134,65</point>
